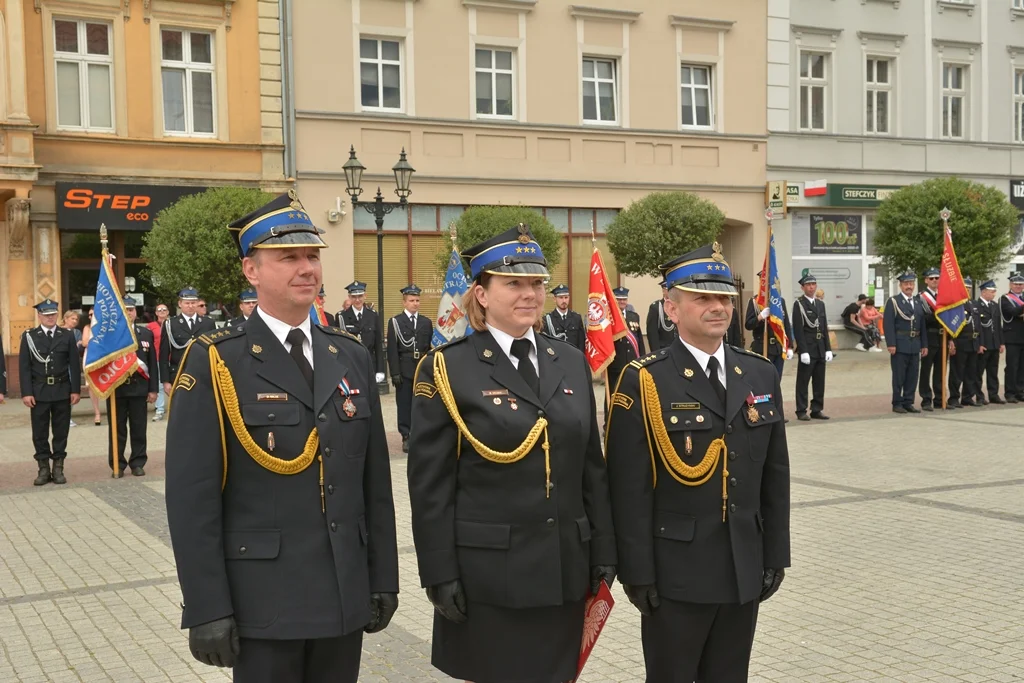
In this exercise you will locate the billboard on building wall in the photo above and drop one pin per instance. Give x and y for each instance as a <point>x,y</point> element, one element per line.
<point>836,234</point>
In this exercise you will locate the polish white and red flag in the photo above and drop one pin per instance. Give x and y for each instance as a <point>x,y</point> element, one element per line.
<point>815,188</point>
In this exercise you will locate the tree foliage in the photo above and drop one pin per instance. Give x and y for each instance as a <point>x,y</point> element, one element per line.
<point>908,232</point>
<point>190,245</point>
<point>479,223</point>
<point>660,227</point>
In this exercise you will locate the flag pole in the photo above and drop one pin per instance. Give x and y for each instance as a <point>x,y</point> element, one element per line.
<point>765,286</point>
<point>112,413</point>
<point>944,214</point>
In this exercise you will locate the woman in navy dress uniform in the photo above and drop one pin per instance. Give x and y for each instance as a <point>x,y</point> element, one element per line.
<point>510,509</point>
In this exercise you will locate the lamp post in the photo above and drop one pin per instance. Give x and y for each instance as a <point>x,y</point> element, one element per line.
<point>378,207</point>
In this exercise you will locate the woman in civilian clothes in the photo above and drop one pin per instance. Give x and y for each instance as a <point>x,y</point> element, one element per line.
<point>510,507</point>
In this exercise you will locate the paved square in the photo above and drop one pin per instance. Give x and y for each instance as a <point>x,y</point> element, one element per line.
<point>908,556</point>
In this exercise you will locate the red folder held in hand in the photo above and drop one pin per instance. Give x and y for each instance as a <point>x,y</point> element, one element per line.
<point>594,617</point>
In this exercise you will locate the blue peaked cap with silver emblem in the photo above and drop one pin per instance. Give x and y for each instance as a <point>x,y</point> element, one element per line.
<point>989,284</point>
<point>47,306</point>
<point>702,270</point>
<point>560,290</point>
<point>188,294</point>
<point>909,276</point>
<point>248,296</point>
<point>281,223</point>
<point>513,252</point>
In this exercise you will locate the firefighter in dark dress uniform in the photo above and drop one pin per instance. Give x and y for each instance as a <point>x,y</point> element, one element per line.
<point>963,360</point>
<point>132,397</point>
<point>563,323</point>
<point>363,323</point>
<point>629,347</point>
<point>991,343</point>
<point>247,301</point>
<point>409,335</point>
<point>178,331</point>
<point>930,382</point>
<point>1011,311</point>
<point>810,337</point>
<point>660,330</point>
<point>699,472</point>
<point>51,382</point>
<point>507,481</point>
<point>278,488</point>
<point>754,321</point>
<point>906,338</point>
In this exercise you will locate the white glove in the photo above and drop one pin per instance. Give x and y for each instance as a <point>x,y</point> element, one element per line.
<point>789,354</point>
<point>828,356</point>
<point>766,313</point>
<point>805,358</point>
<point>380,377</point>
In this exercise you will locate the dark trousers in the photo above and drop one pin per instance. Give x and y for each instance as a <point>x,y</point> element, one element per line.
<point>931,375</point>
<point>685,641</point>
<point>865,335</point>
<point>804,375</point>
<point>1013,375</point>
<point>779,362</point>
<point>988,365</point>
<point>131,417</point>
<point>323,660</point>
<point>47,415</point>
<point>963,371</point>
<point>403,399</point>
<point>905,367</point>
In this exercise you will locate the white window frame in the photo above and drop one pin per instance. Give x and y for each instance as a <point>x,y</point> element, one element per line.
<point>493,70</point>
<point>964,93</point>
<point>1018,4</point>
<point>188,66</point>
<point>616,84</point>
<point>871,90</point>
<point>380,61</point>
<point>811,82</point>
<point>1018,103</point>
<point>712,91</point>
<point>84,59</point>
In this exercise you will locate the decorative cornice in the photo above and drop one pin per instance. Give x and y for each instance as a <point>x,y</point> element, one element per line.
<point>588,12</point>
<point>700,22</point>
<point>896,38</point>
<point>895,3</point>
<point>1016,12</point>
<point>832,33</point>
<point>950,4</point>
<point>943,43</point>
<point>510,5</point>
<point>147,10</point>
<point>1015,50</point>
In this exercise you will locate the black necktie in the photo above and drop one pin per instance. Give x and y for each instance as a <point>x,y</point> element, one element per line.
<point>359,316</point>
<point>413,319</point>
<point>716,383</point>
<point>189,322</point>
<point>296,338</point>
<point>521,350</point>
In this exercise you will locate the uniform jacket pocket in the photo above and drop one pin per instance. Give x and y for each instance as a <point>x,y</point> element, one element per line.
<point>584,525</point>
<point>252,544</point>
<point>270,414</point>
<point>481,535</point>
<point>674,527</point>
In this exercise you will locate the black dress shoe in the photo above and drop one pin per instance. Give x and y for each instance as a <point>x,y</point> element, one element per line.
<point>138,472</point>
<point>955,405</point>
<point>998,401</point>
<point>119,475</point>
<point>405,444</point>
<point>803,417</point>
<point>972,404</point>
<point>899,409</point>
<point>927,407</point>
<point>912,409</point>
<point>819,416</point>
<point>1012,399</point>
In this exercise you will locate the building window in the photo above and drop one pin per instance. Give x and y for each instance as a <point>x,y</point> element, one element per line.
<point>813,90</point>
<point>600,91</point>
<point>1018,4</point>
<point>85,75</point>
<point>380,74</point>
<point>1018,104</point>
<point>186,71</point>
<point>954,100</point>
<point>494,83</point>
<point>879,95</point>
<point>696,84</point>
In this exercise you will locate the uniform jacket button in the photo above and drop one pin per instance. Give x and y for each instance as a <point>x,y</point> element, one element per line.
<point>732,455</point>
<point>732,508</point>
<point>334,525</point>
<point>540,413</point>
<point>322,417</point>
<point>728,430</point>
<point>327,451</point>
<point>550,522</point>
<point>271,416</point>
<point>330,488</point>
<point>732,481</point>
<point>241,550</point>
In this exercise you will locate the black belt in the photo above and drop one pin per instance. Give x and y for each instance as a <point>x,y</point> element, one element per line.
<point>54,379</point>
<point>908,333</point>
<point>415,354</point>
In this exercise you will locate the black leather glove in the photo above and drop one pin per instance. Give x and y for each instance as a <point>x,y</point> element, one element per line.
<point>396,380</point>
<point>644,598</point>
<point>771,582</point>
<point>449,599</point>
<point>383,606</point>
<point>215,643</point>
<point>598,573</point>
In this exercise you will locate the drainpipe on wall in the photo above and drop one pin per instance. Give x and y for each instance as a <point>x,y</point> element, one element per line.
<point>288,89</point>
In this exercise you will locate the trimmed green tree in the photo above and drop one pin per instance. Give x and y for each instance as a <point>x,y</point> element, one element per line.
<point>190,245</point>
<point>908,229</point>
<point>479,223</point>
<point>660,227</point>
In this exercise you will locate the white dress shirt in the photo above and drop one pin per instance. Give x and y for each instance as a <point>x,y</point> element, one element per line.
<point>281,329</point>
<point>412,318</point>
<point>505,342</point>
<point>702,358</point>
<point>810,298</point>
<point>48,331</point>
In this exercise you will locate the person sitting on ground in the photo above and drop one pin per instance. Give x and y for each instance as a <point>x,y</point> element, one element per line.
<point>868,317</point>
<point>852,322</point>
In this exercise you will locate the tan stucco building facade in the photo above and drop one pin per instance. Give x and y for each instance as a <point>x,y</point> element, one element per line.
<point>111,109</point>
<point>574,109</point>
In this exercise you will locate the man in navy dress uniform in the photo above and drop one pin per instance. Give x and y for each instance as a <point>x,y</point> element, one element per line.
<point>906,337</point>
<point>991,343</point>
<point>364,324</point>
<point>563,323</point>
<point>132,396</point>
<point>409,335</point>
<point>247,301</point>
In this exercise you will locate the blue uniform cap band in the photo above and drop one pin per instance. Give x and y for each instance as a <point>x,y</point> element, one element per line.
<point>503,254</point>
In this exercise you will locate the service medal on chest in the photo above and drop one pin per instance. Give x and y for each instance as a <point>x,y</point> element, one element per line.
<point>349,407</point>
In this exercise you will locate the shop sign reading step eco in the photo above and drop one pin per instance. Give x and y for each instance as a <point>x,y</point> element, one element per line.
<point>84,206</point>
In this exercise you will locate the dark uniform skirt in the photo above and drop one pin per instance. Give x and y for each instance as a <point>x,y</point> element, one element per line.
<point>503,645</point>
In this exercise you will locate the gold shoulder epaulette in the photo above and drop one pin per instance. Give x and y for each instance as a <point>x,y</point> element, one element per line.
<point>220,335</point>
<point>752,354</point>
<point>338,332</point>
<point>649,358</point>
